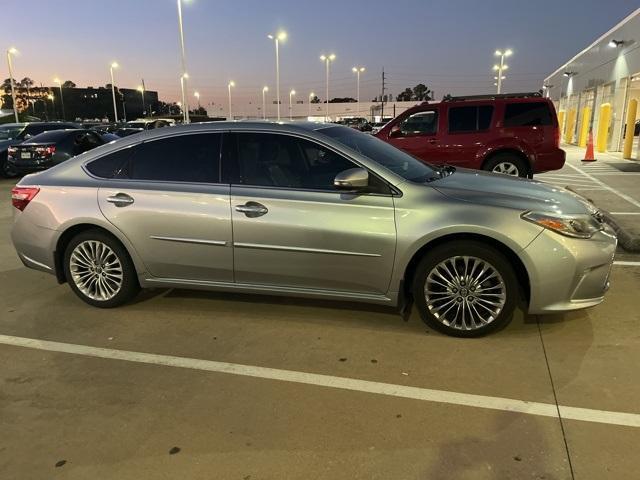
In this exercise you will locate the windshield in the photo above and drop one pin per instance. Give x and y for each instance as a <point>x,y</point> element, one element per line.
<point>390,157</point>
<point>10,132</point>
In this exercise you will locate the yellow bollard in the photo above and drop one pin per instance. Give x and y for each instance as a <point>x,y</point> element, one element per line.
<point>571,126</point>
<point>603,127</point>
<point>561,120</point>
<point>585,122</point>
<point>632,109</point>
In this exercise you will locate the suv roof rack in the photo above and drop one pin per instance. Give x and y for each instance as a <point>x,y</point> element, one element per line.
<point>493,96</point>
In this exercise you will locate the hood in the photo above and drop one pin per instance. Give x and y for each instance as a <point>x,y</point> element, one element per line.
<point>510,192</point>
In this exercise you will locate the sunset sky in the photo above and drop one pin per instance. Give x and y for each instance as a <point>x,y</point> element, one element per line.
<point>448,45</point>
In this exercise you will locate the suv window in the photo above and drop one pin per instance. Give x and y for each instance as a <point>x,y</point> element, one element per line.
<point>284,161</point>
<point>421,123</point>
<point>470,119</point>
<point>191,158</point>
<point>527,114</point>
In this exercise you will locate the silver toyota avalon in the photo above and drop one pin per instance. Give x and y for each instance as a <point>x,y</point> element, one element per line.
<point>310,210</point>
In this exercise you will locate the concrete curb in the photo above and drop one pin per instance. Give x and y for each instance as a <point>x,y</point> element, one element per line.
<point>627,241</point>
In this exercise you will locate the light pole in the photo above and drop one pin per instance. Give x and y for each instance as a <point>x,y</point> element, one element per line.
<point>57,80</point>
<point>53,106</point>
<point>197,95</point>
<point>278,37</point>
<point>231,84</point>
<point>501,67</point>
<point>265,89</point>
<point>327,59</point>
<point>311,95</point>
<point>12,51</point>
<point>184,76</point>
<point>113,92</point>
<point>141,90</point>
<point>358,71</point>
<point>291,94</point>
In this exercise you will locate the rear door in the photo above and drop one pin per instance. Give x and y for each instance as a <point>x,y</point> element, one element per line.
<point>293,229</point>
<point>168,200</point>
<point>468,130</point>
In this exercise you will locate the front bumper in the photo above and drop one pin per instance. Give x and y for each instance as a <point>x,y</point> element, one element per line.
<point>569,273</point>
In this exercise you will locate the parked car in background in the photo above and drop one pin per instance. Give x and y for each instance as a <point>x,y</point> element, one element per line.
<point>126,131</point>
<point>15,133</point>
<point>513,134</point>
<point>377,126</point>
<point>313,210</point>
<point>150,123</point>
<point>359,123</point>
<point>51,148</point>
<point>109,137</point>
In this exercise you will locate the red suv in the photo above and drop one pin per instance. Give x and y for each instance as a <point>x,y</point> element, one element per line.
<point>514,134</point>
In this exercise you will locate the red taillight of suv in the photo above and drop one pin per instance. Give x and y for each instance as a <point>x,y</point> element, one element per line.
<point>21,196</point>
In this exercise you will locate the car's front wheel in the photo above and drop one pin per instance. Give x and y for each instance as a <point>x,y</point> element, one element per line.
<point>465,289</point>
<point>99,269</point>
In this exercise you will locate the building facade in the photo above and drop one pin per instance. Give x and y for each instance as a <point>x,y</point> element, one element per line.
<point>598,90</point>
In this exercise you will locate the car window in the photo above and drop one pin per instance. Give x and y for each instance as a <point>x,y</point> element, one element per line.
<point>111,165</point>
<point>191,158</point>
<point>10,132</point>
<point>470,119</point>
<point>527,114</point>
<point>49,136</point>
<point>276,160</point>
<point>421,123</point>
<point>390,157</point>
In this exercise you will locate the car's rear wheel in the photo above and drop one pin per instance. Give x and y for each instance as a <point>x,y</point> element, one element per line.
<point>465,289</point>
<point>99,270</point>
<point>6,170</point>
<point>507,164</point>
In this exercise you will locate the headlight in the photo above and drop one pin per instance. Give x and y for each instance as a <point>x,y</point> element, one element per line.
<point>576,226</point>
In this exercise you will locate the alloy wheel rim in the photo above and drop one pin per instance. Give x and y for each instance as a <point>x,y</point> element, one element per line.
<point>465,293</point>
<point>96,270</point>
<point>506,168</point>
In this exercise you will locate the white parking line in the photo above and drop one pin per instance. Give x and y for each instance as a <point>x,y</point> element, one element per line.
<point>607,187</point>
<point>624,263</point>
<point>402,391</point>
<point>624,213</point>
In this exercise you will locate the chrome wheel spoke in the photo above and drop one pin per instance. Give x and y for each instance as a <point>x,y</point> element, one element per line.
<point>465,292</point>
<point>96,270</point>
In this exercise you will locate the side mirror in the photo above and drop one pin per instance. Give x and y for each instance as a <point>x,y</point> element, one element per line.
<point>27,136</point>
<point>395,132</point>
<point>352,179</point>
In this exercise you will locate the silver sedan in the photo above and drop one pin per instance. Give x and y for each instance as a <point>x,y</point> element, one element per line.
<point>311,210</point>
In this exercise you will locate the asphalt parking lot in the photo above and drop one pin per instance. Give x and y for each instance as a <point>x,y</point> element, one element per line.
<point>184,384</point>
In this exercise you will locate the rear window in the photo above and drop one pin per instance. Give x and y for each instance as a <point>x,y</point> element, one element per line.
<point>527,114</point>
<point>50,137</point>
<point>470,119</point>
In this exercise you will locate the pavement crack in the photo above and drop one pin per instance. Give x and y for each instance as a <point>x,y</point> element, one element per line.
<point>555,398</point>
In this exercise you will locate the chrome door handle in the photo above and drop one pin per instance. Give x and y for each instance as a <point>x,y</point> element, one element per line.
<point>120,200</point>
<point>252,209</point>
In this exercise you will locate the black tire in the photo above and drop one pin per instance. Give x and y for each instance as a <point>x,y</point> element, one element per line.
<point>484,253</point>
<point>511,160</point>
<point>129,286</point>
<point>6,171</point>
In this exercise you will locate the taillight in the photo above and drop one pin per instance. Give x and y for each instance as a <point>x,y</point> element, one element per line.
<point>11,151</point>
<point>21,196</point>
<point>46,151</point>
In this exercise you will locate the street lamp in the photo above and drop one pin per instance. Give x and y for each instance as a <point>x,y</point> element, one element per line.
<point>327,59</point>
<point>501,67</point>
<point>53,106</point>
<point>358,71</point>
<point>184,76</point>
<point>311,95</point>
<point>231,84</point>
<point>291,94</point>
<point>265,89</point>
<point>57,80</point>
<point>12,51</point>
<point>141,90</point>
<point>278,37</point>
<point>113,92</point>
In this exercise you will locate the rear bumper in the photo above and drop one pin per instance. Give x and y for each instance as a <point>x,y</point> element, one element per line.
<point>567,273</point>
<point>30,166</point>
<point>547,161</point>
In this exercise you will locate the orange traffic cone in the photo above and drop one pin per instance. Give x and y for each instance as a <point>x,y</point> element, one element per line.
<point>589,156</point>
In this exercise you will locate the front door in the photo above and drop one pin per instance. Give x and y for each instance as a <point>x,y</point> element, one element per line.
<point>291,228</point>
<point>418,135</point>
<point>169,203</point>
